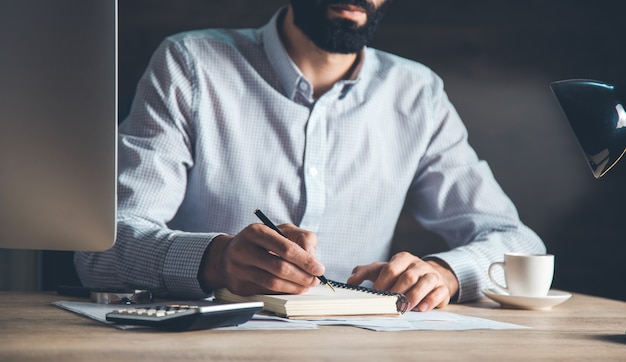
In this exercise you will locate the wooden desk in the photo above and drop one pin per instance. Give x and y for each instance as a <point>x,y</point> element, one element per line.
<point>583,328</point>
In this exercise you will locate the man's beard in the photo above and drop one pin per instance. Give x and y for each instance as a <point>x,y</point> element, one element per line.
<point>336,35</point>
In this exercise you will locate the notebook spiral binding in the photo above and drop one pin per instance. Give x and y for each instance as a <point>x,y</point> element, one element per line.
<point>402,304</point>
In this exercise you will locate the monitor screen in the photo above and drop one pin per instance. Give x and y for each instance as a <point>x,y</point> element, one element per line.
<point>58,124</point>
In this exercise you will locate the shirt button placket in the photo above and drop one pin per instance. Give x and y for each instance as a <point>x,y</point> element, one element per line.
<point>314,161</point>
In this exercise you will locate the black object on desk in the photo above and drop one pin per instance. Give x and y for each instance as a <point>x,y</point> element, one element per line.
<point>176,317</point>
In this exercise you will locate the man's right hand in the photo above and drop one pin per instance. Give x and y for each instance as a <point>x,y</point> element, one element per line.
<point>259,260</point>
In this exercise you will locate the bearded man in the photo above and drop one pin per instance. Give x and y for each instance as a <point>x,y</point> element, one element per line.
<point>327,136</point>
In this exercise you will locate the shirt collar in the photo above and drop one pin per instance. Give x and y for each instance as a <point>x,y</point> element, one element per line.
<point>286,70</point>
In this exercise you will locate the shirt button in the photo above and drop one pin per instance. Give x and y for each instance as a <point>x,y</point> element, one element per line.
<point>303,86</point>
<point>313,171</point>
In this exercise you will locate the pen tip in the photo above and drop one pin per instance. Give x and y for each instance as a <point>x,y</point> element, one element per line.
<point>326,282</point>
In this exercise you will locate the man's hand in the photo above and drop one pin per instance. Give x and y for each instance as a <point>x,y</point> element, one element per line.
<point>259,260</point>
<point>426,284</point>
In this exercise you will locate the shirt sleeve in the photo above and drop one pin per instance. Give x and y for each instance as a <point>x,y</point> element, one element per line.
<point>456,195</point>
<point>155,147</point>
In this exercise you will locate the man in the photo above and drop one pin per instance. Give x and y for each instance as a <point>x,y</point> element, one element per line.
<point>326,136</point>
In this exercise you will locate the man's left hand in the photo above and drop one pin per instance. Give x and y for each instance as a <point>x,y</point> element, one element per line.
<point>426,284</point>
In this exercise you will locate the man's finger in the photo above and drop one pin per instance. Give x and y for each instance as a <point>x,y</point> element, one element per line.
<point>305,239</point>
<point>287,249</point>
<point>437,298</point>
<point>362,273</point>
<point>422,288</point>
<point>392,271</point>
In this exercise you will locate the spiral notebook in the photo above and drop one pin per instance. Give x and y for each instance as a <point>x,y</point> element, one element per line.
<point>321,301</point>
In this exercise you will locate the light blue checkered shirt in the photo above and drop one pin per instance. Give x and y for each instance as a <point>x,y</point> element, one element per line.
<point>223,123</point>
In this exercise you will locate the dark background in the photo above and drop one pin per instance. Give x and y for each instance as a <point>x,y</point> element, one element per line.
<point>497,58</point>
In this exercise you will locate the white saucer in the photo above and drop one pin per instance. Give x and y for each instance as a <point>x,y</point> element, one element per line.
<point>554,297</point>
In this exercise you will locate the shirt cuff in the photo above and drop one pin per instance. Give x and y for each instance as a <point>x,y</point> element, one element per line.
<point>467,273</point>
<point>182,263</point>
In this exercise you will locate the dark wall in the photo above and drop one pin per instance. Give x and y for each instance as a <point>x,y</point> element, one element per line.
<point>497,58</point>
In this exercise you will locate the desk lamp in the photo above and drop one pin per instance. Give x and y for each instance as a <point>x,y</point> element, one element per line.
<point>595,111</point>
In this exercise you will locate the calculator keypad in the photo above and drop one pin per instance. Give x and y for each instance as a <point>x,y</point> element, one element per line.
<point>184,317</point>
<point>158,311</point>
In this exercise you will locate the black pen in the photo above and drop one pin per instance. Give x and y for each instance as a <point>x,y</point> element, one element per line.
<point>271,225</point>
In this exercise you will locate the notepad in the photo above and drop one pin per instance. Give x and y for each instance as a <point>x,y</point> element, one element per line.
<point>347,300</point>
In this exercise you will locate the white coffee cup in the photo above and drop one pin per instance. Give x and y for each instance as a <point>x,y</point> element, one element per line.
<point>528,275</point>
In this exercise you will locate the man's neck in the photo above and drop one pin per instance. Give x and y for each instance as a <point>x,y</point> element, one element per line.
<point>321,68</point>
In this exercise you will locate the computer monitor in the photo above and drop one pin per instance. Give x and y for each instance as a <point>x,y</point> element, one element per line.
<point>58,124</point>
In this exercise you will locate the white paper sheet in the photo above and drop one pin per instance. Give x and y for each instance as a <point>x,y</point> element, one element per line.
<point>258,322</point>
<point>435,320</point>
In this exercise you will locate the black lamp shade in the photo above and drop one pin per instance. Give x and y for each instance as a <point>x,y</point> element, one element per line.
<point>596,115</point>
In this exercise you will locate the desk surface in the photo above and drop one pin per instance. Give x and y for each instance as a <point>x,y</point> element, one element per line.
<point>583,328</point>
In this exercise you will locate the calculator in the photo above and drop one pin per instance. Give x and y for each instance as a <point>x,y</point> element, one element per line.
<point>184,317</point>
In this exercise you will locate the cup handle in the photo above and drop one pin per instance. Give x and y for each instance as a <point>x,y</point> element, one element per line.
<point>493,280</point>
